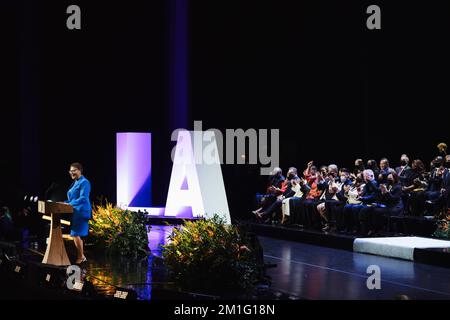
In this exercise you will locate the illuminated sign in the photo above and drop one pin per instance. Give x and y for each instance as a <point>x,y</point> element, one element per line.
<point>196,188</point>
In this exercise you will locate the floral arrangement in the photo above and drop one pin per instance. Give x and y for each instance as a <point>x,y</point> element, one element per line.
<point>442,147</point>
<point>442,231</point>
<point>211,256</point>
<point>119,231</point>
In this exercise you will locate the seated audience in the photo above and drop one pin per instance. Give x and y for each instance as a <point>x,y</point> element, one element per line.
<point>358,201</point>
<point>300,206</point>
<point>274,189</point>
<point>301,188</point>
<point>350,194</point>
<point>286,188</point>
<point>330,199</point>
<point>327,184</point>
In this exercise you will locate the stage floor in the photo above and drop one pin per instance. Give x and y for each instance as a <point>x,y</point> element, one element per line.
<point>303,271</point>
<point>314,272</point>
<point>106,273</point>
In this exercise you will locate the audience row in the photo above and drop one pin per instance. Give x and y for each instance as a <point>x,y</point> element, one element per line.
<point>357,201</point>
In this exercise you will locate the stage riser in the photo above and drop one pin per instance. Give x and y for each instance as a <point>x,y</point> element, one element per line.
<point>304,236</point>
<point>344,242</point>
<point>432,257</point>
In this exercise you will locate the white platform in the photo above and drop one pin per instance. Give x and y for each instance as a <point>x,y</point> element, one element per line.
<point>396,247</point>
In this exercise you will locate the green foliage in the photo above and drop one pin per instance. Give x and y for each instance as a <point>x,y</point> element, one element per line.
<point>118,231</point>
<point>442,231</point>
<point>210,255</point>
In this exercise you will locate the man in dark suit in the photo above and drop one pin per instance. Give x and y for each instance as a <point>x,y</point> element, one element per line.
<point>435,193</point>
<point>385,170</point>
<point>273,190</point>
<point>403,170</point>
<point>367,197</point>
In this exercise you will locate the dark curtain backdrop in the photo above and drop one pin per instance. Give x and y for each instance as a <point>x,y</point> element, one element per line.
<point>336,90</point>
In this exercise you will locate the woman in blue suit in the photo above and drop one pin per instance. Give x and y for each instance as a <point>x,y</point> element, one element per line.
<point>78,198</point>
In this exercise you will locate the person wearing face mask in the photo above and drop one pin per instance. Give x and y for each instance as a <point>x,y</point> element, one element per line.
<point>434,164</point>
<point>349,185</point>
<point>301,189</point>
<point>402,170</point>
<point>294,205</point>
<point>349,194</point>
<point>388,202</point>
<point>331,200</point>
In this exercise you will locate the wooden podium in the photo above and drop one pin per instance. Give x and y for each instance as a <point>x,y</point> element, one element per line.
<point>56,251</point>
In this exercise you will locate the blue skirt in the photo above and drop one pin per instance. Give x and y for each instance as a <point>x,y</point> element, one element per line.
<point>80,224</point>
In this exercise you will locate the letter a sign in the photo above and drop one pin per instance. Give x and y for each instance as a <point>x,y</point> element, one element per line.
<point>196,185</point>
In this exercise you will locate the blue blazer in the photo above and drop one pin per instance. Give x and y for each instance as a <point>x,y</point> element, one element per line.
<point>78,197</point>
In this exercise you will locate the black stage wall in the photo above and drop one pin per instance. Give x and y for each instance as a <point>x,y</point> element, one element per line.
<point>335,89</point>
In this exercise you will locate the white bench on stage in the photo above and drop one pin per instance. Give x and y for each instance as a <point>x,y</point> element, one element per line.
<point>397,247</point>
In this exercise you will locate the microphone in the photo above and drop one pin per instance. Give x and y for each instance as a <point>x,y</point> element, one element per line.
<point>49,190</point>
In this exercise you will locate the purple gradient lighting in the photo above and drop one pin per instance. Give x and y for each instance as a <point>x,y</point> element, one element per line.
<point>134,169</point>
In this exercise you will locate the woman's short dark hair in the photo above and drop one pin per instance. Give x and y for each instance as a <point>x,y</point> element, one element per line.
<point>395,176</point>
<point>77,165</point>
